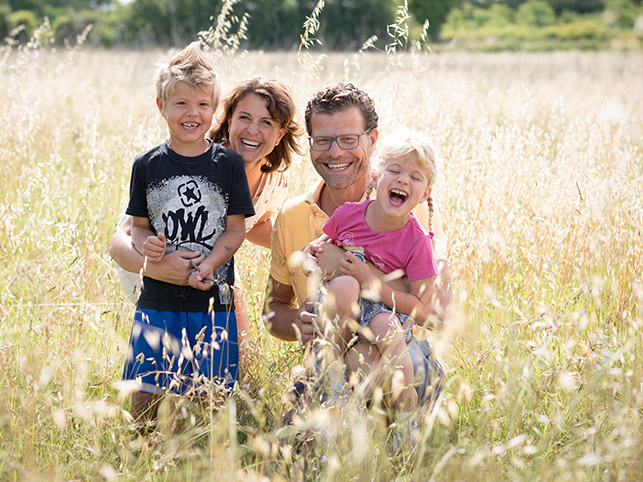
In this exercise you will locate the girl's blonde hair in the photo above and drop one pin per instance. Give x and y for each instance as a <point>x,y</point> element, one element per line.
<point>408,144</point>
<point>405,144</point>
<point>192,66</point>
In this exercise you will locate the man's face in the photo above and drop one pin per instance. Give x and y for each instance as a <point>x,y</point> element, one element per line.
<point>341,168</point>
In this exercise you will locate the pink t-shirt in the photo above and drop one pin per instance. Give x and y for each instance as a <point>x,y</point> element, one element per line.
<point>408,248</point>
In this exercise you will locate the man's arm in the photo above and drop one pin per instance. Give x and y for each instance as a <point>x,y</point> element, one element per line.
<point>283,319</point>
<point>174,268</point>
<point>330,256</point>
<point>443,293</point>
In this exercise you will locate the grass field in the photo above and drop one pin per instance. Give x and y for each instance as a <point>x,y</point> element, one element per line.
<point>540,188</point>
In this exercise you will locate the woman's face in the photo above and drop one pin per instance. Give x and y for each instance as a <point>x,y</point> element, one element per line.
<point>253,132</point>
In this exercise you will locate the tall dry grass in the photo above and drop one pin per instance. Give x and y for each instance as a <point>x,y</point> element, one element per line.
<point>540,191</point>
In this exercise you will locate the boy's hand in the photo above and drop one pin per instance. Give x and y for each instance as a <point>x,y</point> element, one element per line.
<point>154,247</point>
<point>351,265</point>
<point>201,280</point>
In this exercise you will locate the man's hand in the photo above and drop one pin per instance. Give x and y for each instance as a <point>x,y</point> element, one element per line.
<point>328,257</point>
<point>154,247</point>
<point>305,323</point>
<point>283,318</point>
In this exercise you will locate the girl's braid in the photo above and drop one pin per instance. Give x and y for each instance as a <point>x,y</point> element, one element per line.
<point>369,189</point>
<point>429,202</point>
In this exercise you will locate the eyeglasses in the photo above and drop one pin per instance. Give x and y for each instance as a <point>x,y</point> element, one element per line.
<point>345,141</point>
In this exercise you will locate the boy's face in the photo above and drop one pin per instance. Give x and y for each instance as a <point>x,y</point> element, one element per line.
<point>188,113</point>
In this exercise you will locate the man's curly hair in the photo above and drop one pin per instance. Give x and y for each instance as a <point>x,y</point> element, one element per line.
<point>339,97</point>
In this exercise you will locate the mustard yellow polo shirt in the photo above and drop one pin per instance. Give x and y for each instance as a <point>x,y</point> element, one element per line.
<point>300,221</point>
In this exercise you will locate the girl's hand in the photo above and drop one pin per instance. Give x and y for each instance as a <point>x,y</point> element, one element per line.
<point>154,247</point>
<point>351,265</point>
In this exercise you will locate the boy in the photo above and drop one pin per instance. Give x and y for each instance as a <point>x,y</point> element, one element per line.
<point>192,194</point>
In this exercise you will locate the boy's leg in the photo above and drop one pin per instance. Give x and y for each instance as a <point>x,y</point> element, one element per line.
<point>389,339</point>
<point>144,409</point>
<point>213,340</point>
<point>150,348</point>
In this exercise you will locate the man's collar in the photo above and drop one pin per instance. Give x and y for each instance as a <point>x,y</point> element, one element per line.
<point>313,196</point>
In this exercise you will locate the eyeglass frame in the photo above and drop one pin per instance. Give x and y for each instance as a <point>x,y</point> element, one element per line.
<point>311,140</point>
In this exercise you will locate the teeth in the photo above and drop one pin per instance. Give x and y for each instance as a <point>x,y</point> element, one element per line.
<point>190,126</point>
<point>398,192</point>
<point>338,166</point>
<point>250,143</point>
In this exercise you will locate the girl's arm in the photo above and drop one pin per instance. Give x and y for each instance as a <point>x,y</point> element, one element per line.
<point>418,303</point>
<point>224,248</point>
<point>261,232</point>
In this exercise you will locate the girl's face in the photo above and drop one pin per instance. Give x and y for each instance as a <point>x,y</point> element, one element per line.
<point>253,132</point>
<point>401,185</point>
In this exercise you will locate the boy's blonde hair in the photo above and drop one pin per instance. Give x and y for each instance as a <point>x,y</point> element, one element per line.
<point>192,66</point>
<point>404,144</point>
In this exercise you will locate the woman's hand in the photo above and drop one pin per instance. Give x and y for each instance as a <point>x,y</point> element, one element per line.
<point>174,268</point>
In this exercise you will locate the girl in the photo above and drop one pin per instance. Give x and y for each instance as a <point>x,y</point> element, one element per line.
<point>385,232</point>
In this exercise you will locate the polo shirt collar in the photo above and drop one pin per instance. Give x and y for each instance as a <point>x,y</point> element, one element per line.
<point>313,196</point>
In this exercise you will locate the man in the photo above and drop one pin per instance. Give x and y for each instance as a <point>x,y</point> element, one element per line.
<point>346,115</point>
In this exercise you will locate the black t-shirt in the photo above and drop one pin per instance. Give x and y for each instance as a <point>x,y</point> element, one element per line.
<point>188,199</point>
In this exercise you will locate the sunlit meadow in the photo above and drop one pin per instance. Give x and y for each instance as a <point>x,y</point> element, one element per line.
<point>540,189</point>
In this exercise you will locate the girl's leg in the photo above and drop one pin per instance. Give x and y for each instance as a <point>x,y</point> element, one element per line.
<point>344,294</point>
<point>389,339</point>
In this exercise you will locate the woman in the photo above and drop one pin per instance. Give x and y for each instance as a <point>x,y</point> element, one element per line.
<point>257,121</point>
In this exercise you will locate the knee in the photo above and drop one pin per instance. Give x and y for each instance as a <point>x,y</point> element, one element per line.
<point>386,323</point>
<point>344,288</point>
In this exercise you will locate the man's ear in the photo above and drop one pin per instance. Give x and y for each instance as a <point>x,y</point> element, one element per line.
<point>159,104</point>
<point>372,137</point>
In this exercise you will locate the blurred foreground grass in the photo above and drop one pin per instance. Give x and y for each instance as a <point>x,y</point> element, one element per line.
<point>540,190</point>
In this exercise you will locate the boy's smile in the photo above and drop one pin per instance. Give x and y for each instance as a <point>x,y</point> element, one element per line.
<point>188,113</point>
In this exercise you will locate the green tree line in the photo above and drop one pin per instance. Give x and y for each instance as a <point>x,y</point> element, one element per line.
<point>278,24</point>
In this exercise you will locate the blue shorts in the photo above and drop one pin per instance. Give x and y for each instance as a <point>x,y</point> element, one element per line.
<point>177,351</point>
